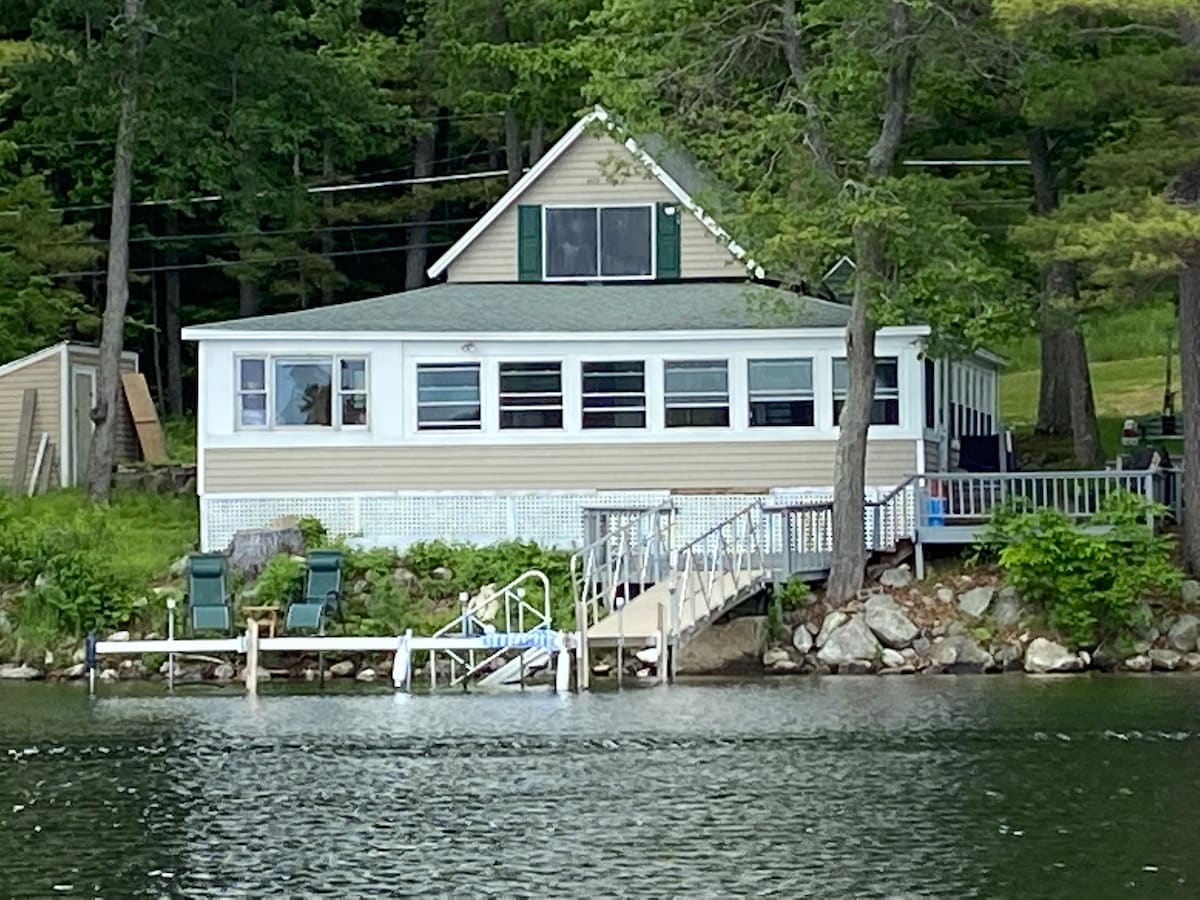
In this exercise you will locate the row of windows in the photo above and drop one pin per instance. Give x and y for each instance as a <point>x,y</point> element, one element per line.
<point>331,391</point>
<point>695,394</point>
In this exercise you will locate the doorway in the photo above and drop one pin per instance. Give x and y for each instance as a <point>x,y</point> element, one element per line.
<point>83,398</point>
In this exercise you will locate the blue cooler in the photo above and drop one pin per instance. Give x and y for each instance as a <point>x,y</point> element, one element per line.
<point>935,512</point>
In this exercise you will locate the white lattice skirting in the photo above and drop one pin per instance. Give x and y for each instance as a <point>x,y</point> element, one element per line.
<point>398,519</point>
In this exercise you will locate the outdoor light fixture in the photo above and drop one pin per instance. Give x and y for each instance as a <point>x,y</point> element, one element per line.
<point>468,347</point>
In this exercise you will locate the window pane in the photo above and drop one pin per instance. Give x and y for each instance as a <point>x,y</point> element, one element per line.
<point>614,395</point>
<point>448,397</point>
<point>526,378</point>
<point>531,395</point>
<point>354,409</point>
<point>697,417</point>
<point>887,374</point>
<point>354,374</point>
<point>841,377</point>
<point>253,374</point>
<point>696,377</point>
<point>531,418</point>
<point>781,413</point>
<point>697,394</point>
<point>781,376</point>
<point>570,242</point>
<point>303,391</point>
<point>254,409</point>
<point>625,241</point>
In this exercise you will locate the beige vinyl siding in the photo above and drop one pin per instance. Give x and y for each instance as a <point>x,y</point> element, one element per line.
<point>125,440</point>
<point>44,377</point>
<point>595,169</point>
<point>709,466</point>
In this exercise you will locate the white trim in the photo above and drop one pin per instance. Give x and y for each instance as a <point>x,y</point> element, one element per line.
<point>202,351</point>
<point>599,114</point>
<point>200,333</point>
<point>39,356</point>
<point>65,451</point>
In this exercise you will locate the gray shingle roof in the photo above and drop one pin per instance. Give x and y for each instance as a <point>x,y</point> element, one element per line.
<point>554,308</point>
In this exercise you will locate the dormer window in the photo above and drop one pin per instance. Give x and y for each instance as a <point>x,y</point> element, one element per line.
<point>609,242</point>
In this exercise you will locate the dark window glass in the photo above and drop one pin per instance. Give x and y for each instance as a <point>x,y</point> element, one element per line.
<point>571,243</point>
<point>625,241</point>
<point>448,397</point>
<point>531,395</point>
<point>696,394</point>
<point>614,395</point>
<point>781,393</point>
<point>886,408</point>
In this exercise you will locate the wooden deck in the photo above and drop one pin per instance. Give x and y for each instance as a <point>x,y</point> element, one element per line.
<point>636,624</point>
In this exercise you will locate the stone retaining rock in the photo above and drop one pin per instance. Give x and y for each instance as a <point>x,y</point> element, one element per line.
<point>773,656</point>
<point>891,659</point>
<point>852,642</point>
<point>960,654</point>
<point>1182,635</point>
<point>1139,663</point>
<point>831,623</point>
<point>1006,612</point>
<point>802,639</point>
<point>366,675</point>
<point>343,669</point>
<point>889,623</point>
<point>1043,656</point>
<point>18,672</point>
<point>1190,591</point>
<point>976,601</point>
<point>899,577</point>
<point>1166,660</point>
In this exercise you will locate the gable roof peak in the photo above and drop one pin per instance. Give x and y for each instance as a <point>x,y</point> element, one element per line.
<point>654,166</point>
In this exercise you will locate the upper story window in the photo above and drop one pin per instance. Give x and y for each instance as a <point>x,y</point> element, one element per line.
<point>300,391</point>
<point>531,395</point>
<point>781,393</point>
<point>696,394</point>
<point>599,242</point>
<point>886,408</point>
<point>448,397</point>
<point>614,394</point>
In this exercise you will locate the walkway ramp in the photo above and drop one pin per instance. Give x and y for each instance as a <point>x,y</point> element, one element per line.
<point>704,597</point>
<point>534,659</point>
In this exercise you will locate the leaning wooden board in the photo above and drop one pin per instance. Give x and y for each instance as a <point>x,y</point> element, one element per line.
<point>24,439</point>
<point>145,417</point>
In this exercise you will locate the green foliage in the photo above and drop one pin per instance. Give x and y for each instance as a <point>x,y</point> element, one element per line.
<point>179,434</point>
<point>1090,583</point>
<point>312,530</point>
<point>74,566</point>
<point>775,629</point>
<point>791,594</point>
<point>281,580</point>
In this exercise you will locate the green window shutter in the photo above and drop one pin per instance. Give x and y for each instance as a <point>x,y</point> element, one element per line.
<point>668,241</point>
<point>529,243</point>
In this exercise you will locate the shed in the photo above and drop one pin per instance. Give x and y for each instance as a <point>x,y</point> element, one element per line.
<point>63,381</point>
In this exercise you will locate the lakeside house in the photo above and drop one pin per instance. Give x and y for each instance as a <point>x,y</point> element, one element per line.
<point>599,341</point>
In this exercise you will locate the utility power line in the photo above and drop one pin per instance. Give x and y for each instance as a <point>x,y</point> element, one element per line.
<point>965,162</point>
<point>226,263</point>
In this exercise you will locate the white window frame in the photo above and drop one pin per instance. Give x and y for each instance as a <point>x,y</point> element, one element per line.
<point>667,405</point>
<point>644,409</point>
<point>652,207</point>
<point>780,396</point>
<point>501,408</point>
<point>335,397</point>
<point>477,426</point>
<point>878,394</point>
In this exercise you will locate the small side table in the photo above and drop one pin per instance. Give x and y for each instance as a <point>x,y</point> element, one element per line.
<point>266,615</point>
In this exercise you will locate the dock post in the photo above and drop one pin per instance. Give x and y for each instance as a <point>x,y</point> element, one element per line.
<point>562,673</point>
<point>171,638</point>
<point>251,670</point>
<point>89,656</point>
<point>408,668</point>
<point>584,676</point>
<point>662,645</point>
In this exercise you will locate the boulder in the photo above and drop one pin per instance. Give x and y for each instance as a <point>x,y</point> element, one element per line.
<point>833,621</point>
<point>1182,635</point>
<point>899,577</point>
<point>404,578</point>
<point>1044,656</point>
<point>342,669</point>
<point>773,656</point>
<point>1006,612</point>
<point>76,671</point>
<point>891,659</point>
<point>1139,663</point>
<point>1166,660</point>
<point>1190,591</point>
<point>802,640</point>
<point>852,641</point>
<point>1191,661</point>
<point>976,601</point>
<point>921,646</point>
<point>119,636</point>
<point>856,667</point>
<point>785,667</point>
<point>18,672</point>
<point>224,672</point>
<point>252,548</point>
<point>311,674</point>
<point>108,675</point>
<point>366,675</point>
<point>888,622</point>
<point>1008,657</point>
<point>179,567</point>
<point>960,653</point>
<point>1105,659</point>
<point>945,595</point>
<point>735,647</point>
<point>443,573</point>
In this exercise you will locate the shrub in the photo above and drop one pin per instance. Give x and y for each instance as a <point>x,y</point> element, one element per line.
<point>312,530</point>
<point>1089,583</point>
<point>791,594</point>
<point>280,581</point>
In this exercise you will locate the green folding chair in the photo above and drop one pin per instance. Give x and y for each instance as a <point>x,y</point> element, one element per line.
<point>322,593</point>
<point>207,598</point>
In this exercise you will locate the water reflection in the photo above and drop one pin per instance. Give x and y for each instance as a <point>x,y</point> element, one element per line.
<point>925,787</point>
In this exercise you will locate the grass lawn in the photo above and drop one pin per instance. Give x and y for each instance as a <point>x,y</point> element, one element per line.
<point>1123,388</point>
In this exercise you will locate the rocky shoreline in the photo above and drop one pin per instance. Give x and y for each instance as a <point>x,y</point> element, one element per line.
<point>969,624</point>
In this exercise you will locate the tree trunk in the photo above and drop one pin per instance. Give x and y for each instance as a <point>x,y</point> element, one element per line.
<point>112,332</point>
<point>537,141</point>
<point>173,323</point>
<point>512,146</point>
<point>247,297</point>
<point>850,462</point>
<point>1054,396</point>
<point>416,258</point>
<point>1189,371</point>
<point>328,289</point>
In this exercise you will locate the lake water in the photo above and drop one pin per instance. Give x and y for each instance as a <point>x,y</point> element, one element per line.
<point>838,787</point>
